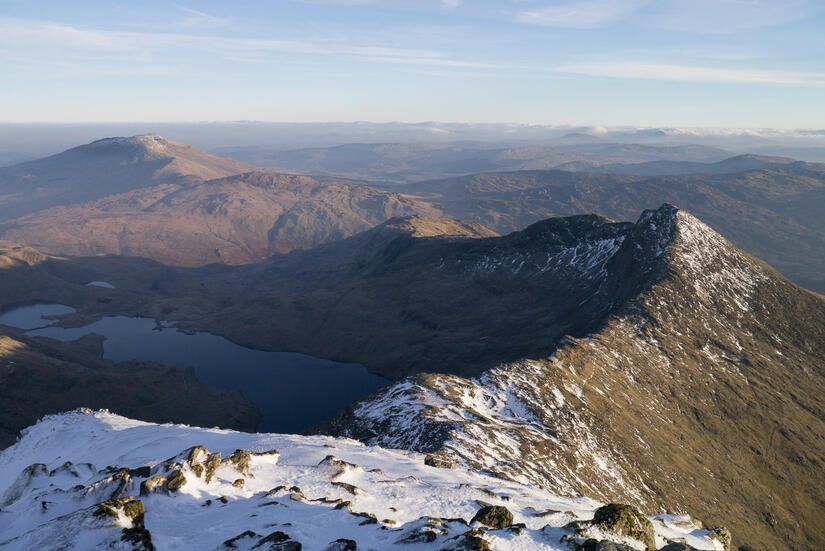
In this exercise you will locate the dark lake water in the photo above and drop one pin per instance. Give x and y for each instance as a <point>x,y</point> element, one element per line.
<point>293,391</point>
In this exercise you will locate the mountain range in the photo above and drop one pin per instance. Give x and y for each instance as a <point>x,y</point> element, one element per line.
<point>650,363</point>
<point>410,162</point>
<point>148,197</point>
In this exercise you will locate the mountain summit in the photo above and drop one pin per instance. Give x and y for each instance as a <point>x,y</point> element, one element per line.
<point>705,370</point>
<point>106,167</point>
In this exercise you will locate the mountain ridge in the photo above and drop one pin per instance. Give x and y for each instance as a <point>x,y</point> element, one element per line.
<point>670,387</point>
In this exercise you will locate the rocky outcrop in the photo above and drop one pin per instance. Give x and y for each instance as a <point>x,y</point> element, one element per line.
<point>493,516</point>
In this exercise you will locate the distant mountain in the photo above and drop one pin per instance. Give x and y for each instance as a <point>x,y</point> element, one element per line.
<point>93,480</point>
<point>234,220</point>
<point>774,212</point>
<point>106,167</point>
<point>408,162</point>
<point>740,163</point>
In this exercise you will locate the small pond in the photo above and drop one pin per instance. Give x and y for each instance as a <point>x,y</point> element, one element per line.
<point>293,391</point>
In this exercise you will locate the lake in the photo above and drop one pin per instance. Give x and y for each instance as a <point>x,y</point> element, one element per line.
<point>293,391</point>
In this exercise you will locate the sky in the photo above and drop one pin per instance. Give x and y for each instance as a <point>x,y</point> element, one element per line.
<point>708,63</point>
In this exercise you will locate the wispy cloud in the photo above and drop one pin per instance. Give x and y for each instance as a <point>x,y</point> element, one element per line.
<point>195,18</point>
<point>695,16</point>
<point>688,73</point>
<point>583,14</point>
<point>38,36</point>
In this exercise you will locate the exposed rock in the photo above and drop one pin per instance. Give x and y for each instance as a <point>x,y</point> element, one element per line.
<point>494,516</point>
<point>277,541</point>
<point>239,483</point>
<point>472,540</point>
<point>625,521</point>
<point>342,545</point>
<point>354,490</point>
<point>232,542</point>
<point>439,460</point>
<point>129,507</point>
<point>175,481</point>
<point>111,487</point>
<point>722,535</point>
<point>240,460</point>
<point>604,545</point>
<point>678,546</point>
<point>213,461</point>
<point>156,484</point>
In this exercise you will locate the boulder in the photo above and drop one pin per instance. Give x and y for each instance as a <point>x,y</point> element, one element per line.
<point>277,541</point>
<point>156,484</point>
<point>494,516</point>
<point>342,545</point>
<point>241,460</point>
<point>604,545</point>
<point>721,535</point>
<point>677,546</point>
<point>175,481</point>
<point>625,521</point>
<point>440,460</point>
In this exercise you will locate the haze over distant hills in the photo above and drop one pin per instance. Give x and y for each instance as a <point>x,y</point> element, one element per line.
<point>408,162</point>
<point>146,196</point>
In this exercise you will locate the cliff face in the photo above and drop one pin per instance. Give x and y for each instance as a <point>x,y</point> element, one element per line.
<point>706,372</point>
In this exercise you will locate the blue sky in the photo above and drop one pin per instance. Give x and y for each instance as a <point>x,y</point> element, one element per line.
<point>721,63</point>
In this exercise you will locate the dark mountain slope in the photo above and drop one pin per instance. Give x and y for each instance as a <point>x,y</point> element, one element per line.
<point>39,376</point>
<point>704,388</point>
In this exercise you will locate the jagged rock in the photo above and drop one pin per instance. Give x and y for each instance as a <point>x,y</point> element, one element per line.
<point>175,481</point>
<point>139,537</point>
<point>239,483</point>
<point>156,484</point>
<point>625,521</point>
<point>604,545</point>
<point>213,461</point>
<point>494,516</point>
<point>111,487</point>
<point>232,542</point>
<point>23,480</point>
<point>240,460</point>
<point>277,541</point>
<point>439,460</point>
<point>342,545</point>
<point>369,518</point>
<point>354,490</point>
<point>472,540</point>
<point>338,466</point>
<point>722,535</point>
<point>129,507</point>
<point>197,455</point>
<point>678,546</point>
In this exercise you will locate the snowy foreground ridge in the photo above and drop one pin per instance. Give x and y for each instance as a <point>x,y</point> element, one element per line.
<point>75,481</point>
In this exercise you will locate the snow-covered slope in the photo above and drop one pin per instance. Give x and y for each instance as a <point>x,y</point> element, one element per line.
<point>74,481</point>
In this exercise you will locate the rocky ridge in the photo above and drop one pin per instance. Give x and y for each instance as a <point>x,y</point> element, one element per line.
<point>88,479</point>
<point>680,386</point>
